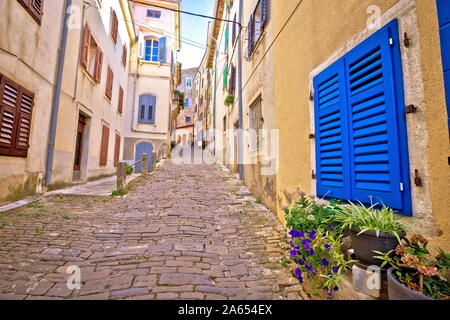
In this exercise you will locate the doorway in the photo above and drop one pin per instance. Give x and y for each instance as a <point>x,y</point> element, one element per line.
<point>78,148</point>
<point>143,147</point>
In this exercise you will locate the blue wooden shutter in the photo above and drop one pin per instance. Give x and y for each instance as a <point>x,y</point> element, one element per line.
<point>250,35</point>
<point>443,7</point>
<point>263,13</point>
<point>332,164</point>
<point>162,49</point>
<point>152,108</point>
<point>373,107</point>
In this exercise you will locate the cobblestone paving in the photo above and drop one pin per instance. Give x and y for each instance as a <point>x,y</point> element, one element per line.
<point>183,232</point>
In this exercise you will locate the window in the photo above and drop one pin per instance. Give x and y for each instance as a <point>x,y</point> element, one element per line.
<point>114,26</point>
<point>153,13</point>
<point>35,8</point>
<point>189,82</point>
<point>226,37</point>
<point>104,146</point>
<point>120,104</point>
<point>256,125</point>
<point>361,141</point>
<point>109,83</point>
<point>92,58</point>
<point>256,24</point>
<point>147,107</point>
<point>16,108</point>
<point>155,50</point>
<point>443,7</point>
<point>187,102</point>
<point>188,119</point>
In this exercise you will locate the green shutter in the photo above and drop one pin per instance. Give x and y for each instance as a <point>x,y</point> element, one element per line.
<point>225,77</point>
<point>226,37</point>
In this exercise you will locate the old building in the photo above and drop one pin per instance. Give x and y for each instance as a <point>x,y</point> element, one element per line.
<point>203,89</point>
<point>151,79</point>
<point>28,64</point>
<point>91,118</point>
<point>185,119</point>
<point>353,109</point>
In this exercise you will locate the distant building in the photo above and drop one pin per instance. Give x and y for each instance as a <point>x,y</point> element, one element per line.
<point>185,119</point>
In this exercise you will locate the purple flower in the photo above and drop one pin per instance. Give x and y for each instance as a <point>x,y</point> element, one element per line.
<point>311,252</point>
<point>283,208</point>
<point>331,227</point>
<point>335,269</point>
<point>327,246</point>
<point>336,288</point>
<point>308,266</point>
<point>298,272</point>
<point>307,246</point>
<point>300,279</point>
<point>291,243</point>
<point>325,262</point>
<point>313,271</point>
<point>294,234</point>
<point>324,234</point>
<point>301,193</point>
<point>300,262</point>
<point>329,295</point>
<point>312,234</point>
<point>301,234</point>
<point>294,253</point>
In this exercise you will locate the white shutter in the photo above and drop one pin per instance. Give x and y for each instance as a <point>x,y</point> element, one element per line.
<point>141,46</point>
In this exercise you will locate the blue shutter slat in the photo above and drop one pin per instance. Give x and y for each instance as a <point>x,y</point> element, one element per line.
<point>445,46</point>
<point>162,49</point>
<point>443,7</point>
<point>250,40</point>
<point>376,165</point>
<point>332,165</point>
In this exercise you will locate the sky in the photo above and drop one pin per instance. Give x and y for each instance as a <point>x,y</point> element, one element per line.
<point>195,29</point>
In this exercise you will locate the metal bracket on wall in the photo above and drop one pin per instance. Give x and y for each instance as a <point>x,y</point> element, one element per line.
<point>406,40</point>
<point>311,96</point>
<point>313,174</point>
<point>417,179</point>
<point>411,109</point>
<point>311,136</point>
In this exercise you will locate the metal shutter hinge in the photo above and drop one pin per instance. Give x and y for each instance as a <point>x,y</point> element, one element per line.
<point>417,179</point>
<point>402,188</point>
<point>313,174</point>
<point>411,109</point>
<point>391,41</point>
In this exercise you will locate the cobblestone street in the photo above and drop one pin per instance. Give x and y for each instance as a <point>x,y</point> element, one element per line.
<point>183,232</point>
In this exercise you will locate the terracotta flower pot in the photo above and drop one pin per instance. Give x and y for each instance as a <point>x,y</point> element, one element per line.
<point>398,291</point>
<point>365,243</point>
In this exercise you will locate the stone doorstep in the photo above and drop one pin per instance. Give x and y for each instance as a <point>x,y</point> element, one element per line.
<point>18,204</point>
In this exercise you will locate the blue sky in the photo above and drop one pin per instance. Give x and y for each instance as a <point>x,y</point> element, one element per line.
<point>195,29</point>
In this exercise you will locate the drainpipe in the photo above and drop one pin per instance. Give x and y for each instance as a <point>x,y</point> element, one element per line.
<point>240,91</point>
<point>57,95</point>
<point>214,106</point>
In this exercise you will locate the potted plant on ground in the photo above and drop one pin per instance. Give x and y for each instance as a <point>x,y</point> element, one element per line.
<point>316,245</point>
<point>371,230</point>
<point>414,274</point>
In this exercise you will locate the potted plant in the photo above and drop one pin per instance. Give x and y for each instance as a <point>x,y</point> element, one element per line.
<point>229,100</point>
<point>129,170</point>
<point>316,245</point>
<point>371,230</point>
<point>414,274</point>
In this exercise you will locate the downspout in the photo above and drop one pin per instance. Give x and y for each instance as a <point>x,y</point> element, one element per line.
<point>214,106</point>
<point>240,91</point>
<point>57,95</point>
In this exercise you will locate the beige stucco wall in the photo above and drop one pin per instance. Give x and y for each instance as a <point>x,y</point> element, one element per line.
<point>318,33</point>
<point>28,56</point>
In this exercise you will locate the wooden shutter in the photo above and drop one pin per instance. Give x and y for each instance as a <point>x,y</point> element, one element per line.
<point>16,107</point>
<point>263,13</point>
<point>114,26</point>
<point>443,7</point>
<point>373,120</point>
<point>117,150</point>
<point>98,65</point>
<point>162,49</point>
<point>109,83</point>
<point>86,43</point>
<point>330,112</point>
<point>124,55</point>
<point>35,8</point>
<point>250,35</point>
<point>104,146</point>
<point>120,105</point>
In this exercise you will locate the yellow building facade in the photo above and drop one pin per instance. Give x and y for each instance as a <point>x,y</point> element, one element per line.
<point>311,36</point>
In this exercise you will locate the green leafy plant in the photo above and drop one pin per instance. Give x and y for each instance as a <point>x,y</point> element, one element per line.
<point>258,201</point>
<point>370,218</point>
<point>180,94</point>
<point>229,99</point>
<point>117,193</point>
<point>429,277</point>
<point>66,217</point>
<point>130,170</point>
<point>310,213</point>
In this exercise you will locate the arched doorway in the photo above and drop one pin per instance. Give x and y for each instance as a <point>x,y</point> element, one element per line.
<point>143,147</point>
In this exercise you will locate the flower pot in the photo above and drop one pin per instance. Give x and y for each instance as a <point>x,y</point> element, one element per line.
<point>398,291</point>
<point>365,243</point>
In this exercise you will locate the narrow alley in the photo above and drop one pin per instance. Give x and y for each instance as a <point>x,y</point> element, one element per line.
<point>183,232</point>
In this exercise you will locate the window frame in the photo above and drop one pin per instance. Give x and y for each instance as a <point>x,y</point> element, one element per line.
<point>147,102</point>
<point>253,111</point>
<point>32,10</point>
<point>152,48</point>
